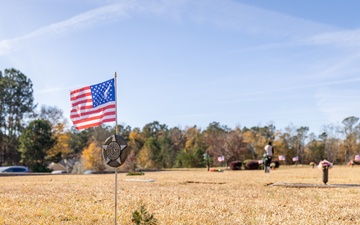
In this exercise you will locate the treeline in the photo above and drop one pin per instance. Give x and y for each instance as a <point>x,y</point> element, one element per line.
<point>35,136</point>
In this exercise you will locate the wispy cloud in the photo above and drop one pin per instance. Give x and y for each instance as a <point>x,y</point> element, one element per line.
<point>80,21</point>
<point>226,14</point>
<point>251,96</point>
<point>343,38</point>
<point>53,89</point>
<point>338,104</point>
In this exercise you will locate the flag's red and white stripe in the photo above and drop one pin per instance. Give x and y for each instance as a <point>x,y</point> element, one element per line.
<point>84,115</point>
<point>357,157</point>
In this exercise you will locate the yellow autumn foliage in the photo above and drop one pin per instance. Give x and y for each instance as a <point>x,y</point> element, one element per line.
<point>134,136</point>
<point>61,146</point>
<point>92,157</point>
<point>192,135</point>
<point>143,158</point>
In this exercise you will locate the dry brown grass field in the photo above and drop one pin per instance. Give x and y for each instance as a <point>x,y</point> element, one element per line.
<point>193,196</point>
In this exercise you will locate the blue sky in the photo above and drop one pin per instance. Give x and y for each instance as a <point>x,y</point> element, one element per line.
<point>185,63</point>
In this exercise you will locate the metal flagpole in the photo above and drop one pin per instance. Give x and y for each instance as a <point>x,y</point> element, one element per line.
<point>116,128</point>
<point>116,133</point>
<point>115,192</point>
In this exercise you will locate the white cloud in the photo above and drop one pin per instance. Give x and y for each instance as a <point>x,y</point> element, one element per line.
<point>80,21</point>
<point>6,46</point>
<point>344,38</point>
<point>338,104</point>
<point>225,14</point>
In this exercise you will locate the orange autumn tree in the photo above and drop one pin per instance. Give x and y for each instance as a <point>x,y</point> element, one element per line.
<point>135,144</point>
<point>61,149</point>
<point>92,157</point>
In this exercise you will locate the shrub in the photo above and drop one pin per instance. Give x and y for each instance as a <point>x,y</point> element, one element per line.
<point>38,167</point>
<point>251,164</point>
<point>135,173</point>
<point>236,165</point>
<point>143,217</point>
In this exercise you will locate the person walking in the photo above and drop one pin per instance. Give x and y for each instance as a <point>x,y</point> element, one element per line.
<point>268,152</point>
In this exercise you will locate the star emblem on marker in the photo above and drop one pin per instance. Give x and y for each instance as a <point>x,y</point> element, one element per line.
<point>112,149</point>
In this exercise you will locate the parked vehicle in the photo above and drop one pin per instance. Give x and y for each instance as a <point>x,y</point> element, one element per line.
<point>89,172</point>
<point>14,169</point>
<point>58,172</point>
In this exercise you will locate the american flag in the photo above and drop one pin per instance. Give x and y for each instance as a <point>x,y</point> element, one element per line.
<point>295,159</point>
<point>93,105</point>
<point>357,157</point>
<point>281,157</point>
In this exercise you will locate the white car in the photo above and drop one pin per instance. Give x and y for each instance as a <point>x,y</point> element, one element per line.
<point>58,172</point>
